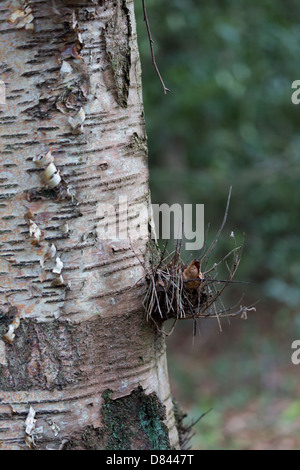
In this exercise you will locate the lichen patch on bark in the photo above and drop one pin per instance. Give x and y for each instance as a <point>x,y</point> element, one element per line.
<point>135,421</point>
<point>117,33</point>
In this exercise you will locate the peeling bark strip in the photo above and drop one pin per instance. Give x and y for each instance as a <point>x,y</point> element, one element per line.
<point>72,137</point>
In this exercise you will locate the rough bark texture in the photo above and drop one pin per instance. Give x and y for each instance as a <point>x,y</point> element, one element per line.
<point>83,356</point>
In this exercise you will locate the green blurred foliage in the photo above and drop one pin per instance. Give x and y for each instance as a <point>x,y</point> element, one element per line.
<point>229,120</point>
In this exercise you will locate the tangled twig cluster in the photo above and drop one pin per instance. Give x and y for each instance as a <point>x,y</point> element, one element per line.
<point>178,290</point>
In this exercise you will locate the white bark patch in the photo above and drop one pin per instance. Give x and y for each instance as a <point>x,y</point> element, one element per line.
<point>29,428</point>
<point>59,281</point>
<point>65,68</point>
<point>30,421</point>
<point>10,335</point>
<point>64,228</point>
<point>22,18</point>
<point>50,253</point>
<point>56,314</point>
<point>51,176</point>
<point>34,231</point>
<point>43,160</point>
<point>55,428</point>
<point>3,360</point>
<point>77,121</point>
<point>59,266</point>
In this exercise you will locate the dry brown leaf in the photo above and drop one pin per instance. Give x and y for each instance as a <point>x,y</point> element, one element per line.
<point>190,275</point>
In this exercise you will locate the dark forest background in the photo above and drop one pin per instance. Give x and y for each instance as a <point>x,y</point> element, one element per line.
<point>228,121</point>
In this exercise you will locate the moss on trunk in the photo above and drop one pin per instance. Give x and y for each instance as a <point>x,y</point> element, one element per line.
<point>133,422</point>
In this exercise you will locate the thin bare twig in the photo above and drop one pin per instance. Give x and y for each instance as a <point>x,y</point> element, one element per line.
<point>212,246</point>
<point>217,280</point>
<point>198,419</point>
<point>166,90</point>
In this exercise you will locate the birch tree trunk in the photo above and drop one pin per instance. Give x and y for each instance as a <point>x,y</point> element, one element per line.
<point>80,368</point>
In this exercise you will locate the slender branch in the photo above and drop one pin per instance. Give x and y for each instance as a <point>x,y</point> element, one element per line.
<point>166,90</point>
<point>216,280</point>
<point>199,419</point>
<point>212,246</point>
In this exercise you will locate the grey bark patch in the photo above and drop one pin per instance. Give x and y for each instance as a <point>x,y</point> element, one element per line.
<point>138,146</point>
<point>90,439</point>
<point>67,98</point>
<point>42,356</point>
<point>42,110</point>
<point>54,355</point>
<point>117,35</point>
<point>5,68</point>
<point>7,315</point>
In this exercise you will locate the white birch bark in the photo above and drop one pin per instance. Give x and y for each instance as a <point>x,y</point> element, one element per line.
<point>69,343</point>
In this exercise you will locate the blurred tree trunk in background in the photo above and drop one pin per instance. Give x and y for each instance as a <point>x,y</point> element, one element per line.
<point>79,366</point>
